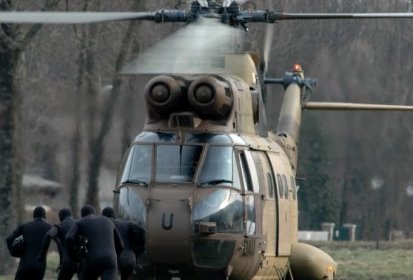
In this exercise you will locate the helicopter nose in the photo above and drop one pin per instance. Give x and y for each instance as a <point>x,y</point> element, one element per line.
<point>169,228</point>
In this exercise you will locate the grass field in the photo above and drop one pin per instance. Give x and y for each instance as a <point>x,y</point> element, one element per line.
<point>361,260</point>
<point>356,260</point>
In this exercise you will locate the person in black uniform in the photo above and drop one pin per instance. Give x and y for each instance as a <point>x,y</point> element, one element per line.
<point>30,267</point>
<point>133,239</point>
<point>67,267</point>
<point>104,244</point>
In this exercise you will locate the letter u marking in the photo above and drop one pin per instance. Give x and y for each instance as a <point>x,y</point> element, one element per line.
<point>171,221</point>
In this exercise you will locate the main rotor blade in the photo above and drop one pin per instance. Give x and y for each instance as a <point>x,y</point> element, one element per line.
<point>294,16</point>
<point>71,17</point>
<point>199,48</point>
<point>355,106</point>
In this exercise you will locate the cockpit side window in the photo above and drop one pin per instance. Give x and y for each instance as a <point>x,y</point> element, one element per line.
<point>293,187</point>
<point>220,168</point>
<point>138,165</point>
<point>286,187</point>
<point>280,185</point>
<point>264,174</point>
<point>246,173</point>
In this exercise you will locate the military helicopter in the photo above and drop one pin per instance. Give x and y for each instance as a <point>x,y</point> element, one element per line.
<point>213,188</point>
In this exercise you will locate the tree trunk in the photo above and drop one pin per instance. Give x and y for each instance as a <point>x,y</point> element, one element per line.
<point>77,136</point>
<point>127,113</point>
<point>92,91</point>
<point>13,41</point>
<point>92,196</point>
<point>7,149</point>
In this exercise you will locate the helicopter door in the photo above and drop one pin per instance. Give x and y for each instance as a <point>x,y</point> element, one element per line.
<point>284,206</point>
<point>267,193</point>
<point>253,214</point>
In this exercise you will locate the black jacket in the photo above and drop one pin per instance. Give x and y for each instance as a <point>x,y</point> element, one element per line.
<point>33,233</point>
<point>104,240</point>
<point>58,234</point>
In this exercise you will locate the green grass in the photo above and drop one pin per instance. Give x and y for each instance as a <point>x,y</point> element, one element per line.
<point>52,264</point>
<point>362,261</point>
<point>356,260</point>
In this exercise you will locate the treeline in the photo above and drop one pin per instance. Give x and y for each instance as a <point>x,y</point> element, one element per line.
<point>65,114</point>
<point>344,154</point>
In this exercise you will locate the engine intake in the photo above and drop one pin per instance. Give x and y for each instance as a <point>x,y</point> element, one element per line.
<point>164,94</point>
<point>210,97</point>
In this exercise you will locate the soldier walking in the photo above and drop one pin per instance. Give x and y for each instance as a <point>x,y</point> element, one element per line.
<point>103,245</point>
<point>133,239</point>
<point>31,234</point>
<point>67,266</point>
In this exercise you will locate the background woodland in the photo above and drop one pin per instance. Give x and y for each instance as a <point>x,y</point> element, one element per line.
<point>66,117</point>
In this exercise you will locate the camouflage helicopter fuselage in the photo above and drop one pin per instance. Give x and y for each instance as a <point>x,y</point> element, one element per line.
<point>217,199</point>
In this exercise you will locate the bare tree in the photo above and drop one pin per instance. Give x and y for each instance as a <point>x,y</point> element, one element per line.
<point>13,41</point>
<point>76,142</point>
<point>97,146</point>
<point>351,59</point>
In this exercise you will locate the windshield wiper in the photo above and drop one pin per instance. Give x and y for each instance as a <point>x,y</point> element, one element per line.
<point>136,182</point>
<point>215,182</point>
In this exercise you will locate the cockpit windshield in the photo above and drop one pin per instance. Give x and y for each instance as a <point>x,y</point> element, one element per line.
<point>173,163</point>
<point>176,163</point>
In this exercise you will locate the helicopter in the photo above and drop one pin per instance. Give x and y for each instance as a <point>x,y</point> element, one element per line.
<point>215,190</point>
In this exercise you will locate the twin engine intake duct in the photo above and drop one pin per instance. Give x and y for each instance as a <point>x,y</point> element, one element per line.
<point>208,96</point>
